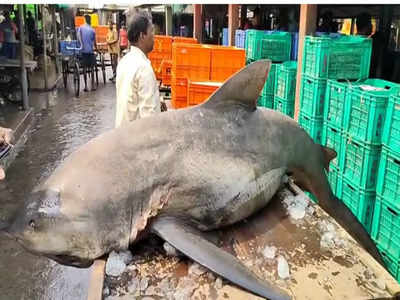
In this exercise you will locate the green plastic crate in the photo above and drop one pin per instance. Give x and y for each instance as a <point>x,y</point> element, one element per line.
<point>335,99</point>
<point>360,202</point>
<point>391,129</point>
<point>266,101</point>
<point>252,44</point>
<point>269,86</point>
<point>283,106</point>
<point>333,138</point>
<point>386,227</point>
<point>345,57</point>
<point>276,46</point>
<point>392,264</point>
<point>285,80</point>
<point>312,96</point>
<point>360,163</point>
<point>388,184</point>
<point>365,111</point>
<point>313,126</point>
<point>334,177</point>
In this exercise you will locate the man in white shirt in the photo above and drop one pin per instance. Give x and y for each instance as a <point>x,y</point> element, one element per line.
<point>137,88</point>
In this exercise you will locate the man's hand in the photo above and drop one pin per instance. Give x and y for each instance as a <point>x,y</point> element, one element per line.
<point>6,135</point>
<point>163,106</point>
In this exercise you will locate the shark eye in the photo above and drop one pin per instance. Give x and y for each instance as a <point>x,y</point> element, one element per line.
<point>32,223</point>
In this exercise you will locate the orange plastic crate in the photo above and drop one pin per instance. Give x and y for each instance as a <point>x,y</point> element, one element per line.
<point>191,61</point>
<point>79,21</point>
<point>180,39</point>
<point>156,58</point>
<point>163,43</point>
<point>198,92</point>
<point>179,87</point>
<point>101,31</point>
<point>226,61</point>
<point>178,102</point>
<point>166,66</point>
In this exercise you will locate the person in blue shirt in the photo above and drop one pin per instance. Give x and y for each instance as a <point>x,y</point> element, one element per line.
<point>87,39</point>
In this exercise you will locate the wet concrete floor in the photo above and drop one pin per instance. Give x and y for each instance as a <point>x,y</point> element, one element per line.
<point>62,124</point>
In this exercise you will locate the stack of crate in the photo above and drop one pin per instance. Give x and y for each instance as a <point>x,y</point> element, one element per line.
<point>386,221</point>
<point>101,37</point>
<point>201,64</point>
<point>198,92</point>
<point>328,58</point>
<point>240,38</point>
<point>272,45</point>
<point>285,88</point>
<point>225,38</point>
<point>266,98</point>
<point>322,96</point>
<point>162,50</point>
<point>365,110</point>
<point>189,62</point>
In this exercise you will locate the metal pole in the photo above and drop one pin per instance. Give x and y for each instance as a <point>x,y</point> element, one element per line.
<point>46,83</point>
<point>24,78</point>
<point>62,24</point>
<point>55,38</point>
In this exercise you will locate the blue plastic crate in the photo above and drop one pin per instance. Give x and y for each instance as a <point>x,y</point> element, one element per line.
<point>240,38</point>
<point>295,45</point>
<point>72,44</point>
<point>225,39</point>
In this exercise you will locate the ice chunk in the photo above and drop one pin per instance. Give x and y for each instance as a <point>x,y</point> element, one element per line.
<point>115,265</point>
<point>269,252</point>
<point>283,267</point>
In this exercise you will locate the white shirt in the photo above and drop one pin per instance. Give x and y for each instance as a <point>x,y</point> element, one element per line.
<point>137,88</point>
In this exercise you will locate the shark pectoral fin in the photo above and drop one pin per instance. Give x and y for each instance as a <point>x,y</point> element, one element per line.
<point>190,242</point>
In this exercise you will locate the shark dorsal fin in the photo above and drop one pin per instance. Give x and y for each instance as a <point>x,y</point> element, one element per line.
<point>242,88</point>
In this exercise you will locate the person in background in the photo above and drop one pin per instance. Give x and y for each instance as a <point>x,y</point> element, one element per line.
<point>113,47</point>
<point>123,38</point>
<point>9,30</point>
<point>87,39</point>
<point>5,138</point>
<point>328,24</point>
<point>30,27</point>
<point>1,34</point>
<point>364,28</point>
<point>137,89</point>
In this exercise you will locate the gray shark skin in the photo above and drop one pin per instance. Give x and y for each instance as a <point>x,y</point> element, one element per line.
<point>177,174</point>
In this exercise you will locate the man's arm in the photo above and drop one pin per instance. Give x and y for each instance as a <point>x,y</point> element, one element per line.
<point>94,42</point>
<point>79,35</point>
<point>148,94</point>
<point>6,136</point>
